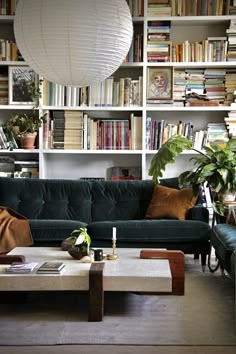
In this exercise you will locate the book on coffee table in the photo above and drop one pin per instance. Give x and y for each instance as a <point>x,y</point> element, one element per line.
<point>19,267</point>
<point>51,267</point>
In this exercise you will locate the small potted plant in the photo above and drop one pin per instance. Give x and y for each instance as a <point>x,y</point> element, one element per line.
<point>24,128</point>
<point>78,243</point>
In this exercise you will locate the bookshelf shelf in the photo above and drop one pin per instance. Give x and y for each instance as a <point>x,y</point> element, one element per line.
<point>93,152</point>
<point>194,20</point>
<point>188,64</point>
<point>99,109</point>
<point>13,63</point>
<point>190,109</point>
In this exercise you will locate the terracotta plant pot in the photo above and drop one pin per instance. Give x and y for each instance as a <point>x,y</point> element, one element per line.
<point>28,140</point>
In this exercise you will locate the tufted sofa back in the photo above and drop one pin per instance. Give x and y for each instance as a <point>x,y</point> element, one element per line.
<point>85,201</point>
<point>47,199</point>
<point>76,199</point>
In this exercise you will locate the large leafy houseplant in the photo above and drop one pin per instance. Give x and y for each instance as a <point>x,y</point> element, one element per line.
<point>215,165</point>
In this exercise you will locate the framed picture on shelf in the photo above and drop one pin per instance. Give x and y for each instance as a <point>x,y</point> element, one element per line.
<point>23,84</point>
<point>159,83</point>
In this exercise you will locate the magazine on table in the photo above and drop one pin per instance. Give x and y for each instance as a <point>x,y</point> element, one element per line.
<point>19,267</point>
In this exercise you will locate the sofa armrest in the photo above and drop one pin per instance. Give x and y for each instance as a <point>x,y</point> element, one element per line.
<point>199,213</point>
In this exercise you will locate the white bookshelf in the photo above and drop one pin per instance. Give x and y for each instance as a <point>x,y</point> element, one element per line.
<point>56,163</point>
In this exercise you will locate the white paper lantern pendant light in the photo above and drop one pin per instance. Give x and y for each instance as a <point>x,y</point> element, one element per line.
<point>73,42</point>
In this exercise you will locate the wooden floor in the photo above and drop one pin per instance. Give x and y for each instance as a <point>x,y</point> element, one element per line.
<point>118,349</point>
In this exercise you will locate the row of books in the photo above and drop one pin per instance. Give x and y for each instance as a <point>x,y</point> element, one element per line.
<point>213,49</point>
<point>125,92</point>
<point>158,132</point>
<point>8,50</point>
<point>8,7</point>
<point>136,7</point>
<point>190,7</point>
<point>135,54</point>
<point>3,88</point>
<point>77,130</point>
<point>231,33</point>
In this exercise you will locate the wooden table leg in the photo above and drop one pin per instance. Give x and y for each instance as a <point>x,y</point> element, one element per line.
<point>11,297</point>
<point>8,259</point>
<point>176,260</point>
<point>96,292</point>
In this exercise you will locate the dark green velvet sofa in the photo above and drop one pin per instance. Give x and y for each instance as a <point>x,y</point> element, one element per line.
<point>223,239</point>
<point>57,207</point>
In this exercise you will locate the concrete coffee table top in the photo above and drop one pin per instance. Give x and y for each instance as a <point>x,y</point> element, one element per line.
<point>139,270</point>
<point>127,273</point>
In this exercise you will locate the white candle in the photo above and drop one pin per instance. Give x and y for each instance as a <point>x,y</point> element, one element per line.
<point>114,233</point>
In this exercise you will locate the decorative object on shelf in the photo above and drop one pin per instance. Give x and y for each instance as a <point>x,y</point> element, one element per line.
<point>216,165</point>
<point>124,173</point>
<point>159,83</point>
<point>23,127</point>
<point>78,243</point>
<point>23,86</point>
<point>76,43</point>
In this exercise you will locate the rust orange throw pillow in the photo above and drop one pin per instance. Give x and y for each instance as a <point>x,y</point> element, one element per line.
<point>170,203</point>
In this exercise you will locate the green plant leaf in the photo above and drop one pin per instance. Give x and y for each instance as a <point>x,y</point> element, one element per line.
<point>167,154</point>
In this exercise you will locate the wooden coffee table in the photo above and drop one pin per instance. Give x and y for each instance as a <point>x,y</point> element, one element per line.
<point>135,270</point>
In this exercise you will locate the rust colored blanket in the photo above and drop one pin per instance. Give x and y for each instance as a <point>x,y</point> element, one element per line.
<point>14,230</point>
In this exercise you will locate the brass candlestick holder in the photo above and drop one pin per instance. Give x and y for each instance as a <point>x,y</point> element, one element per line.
<point>114,255</point>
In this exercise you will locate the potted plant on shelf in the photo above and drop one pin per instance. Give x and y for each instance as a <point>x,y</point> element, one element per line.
<point>215,165</point>
<point>24,127</point>
<point>78,243</point>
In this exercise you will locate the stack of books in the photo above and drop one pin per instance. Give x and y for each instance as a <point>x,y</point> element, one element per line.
<point>158,41</point>
<point>74,130</point>
<point>230,122</point>
<point>19,268</point>
<point>51,268</point>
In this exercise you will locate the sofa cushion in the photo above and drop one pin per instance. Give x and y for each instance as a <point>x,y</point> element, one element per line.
<point>52,231</point>
<point>170,203</point>
<point>150,232</point>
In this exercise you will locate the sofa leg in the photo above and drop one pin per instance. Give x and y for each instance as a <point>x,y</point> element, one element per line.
<point>203,261</point>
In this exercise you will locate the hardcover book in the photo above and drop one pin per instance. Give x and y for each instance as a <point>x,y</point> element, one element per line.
<point>51,267</point>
